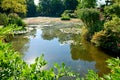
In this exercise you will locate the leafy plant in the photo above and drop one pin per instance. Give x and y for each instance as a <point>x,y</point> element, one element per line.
<point>6,33</point>
<point>86,4</point>
<point>15,19</point>
<point>4,19</point>
<point>65,15</point>
<point>91,20</point>
<point>109,38</point>
<point>14,68</point>
<point>112,10</point>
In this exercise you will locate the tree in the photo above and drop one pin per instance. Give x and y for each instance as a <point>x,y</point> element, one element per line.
<point>86,3</point>
<point>45,7</point>
<point>31,8</point>
<point>70,4</point>
<point>14,6</point>
<point>116,1</point>
<point>1,10</point>
<point>56,7</point>
<point>51,7</point>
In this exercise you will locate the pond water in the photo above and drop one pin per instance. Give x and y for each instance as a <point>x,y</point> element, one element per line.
<point>59,47</point>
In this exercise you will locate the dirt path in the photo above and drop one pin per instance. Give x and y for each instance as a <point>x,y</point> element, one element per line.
<point>37,20</point>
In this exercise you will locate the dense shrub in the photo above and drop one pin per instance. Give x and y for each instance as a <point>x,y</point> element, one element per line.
<point>86,4</point>
<point>114,65</point>
<point>66,15</point>
<point>109,38</point>
<point>3,19</point>
<point>7,32</point>
<point>15,19</point>
<point>112,10</point>
<point>70,13</point>
<point>91,20</point>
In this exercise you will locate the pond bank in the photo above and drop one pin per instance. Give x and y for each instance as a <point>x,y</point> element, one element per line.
<point>37,20</point>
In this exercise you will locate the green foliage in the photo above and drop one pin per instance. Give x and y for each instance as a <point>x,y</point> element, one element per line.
<point>14,68</point>
<point>3,19</point>
<point>56,7</point>
<point>6,33</point>
<point>114,65</point>
<point>92,75</point>
<point>65,15</point>
<point>99,38</point>
<point>109,38</point>
<point>11,19</point>
<point>31,8</point>
<point>112,10</point>
<point>116,1</point>
<point>86,4</point>
<point>15,19</point>
<point>51,7</point>
<point>70,13</point>
<point>70,4</point>
<point>14,6</point>
<point>91,20</point>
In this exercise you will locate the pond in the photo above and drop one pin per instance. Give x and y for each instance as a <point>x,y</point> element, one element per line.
<point>61,43</point>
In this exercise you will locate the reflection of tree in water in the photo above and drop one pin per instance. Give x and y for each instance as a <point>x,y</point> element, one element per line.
<point>78,51</point>
<point>81,50</point>
<point>49,34</point>
<point>87,52</point>
<point>32,33</point>
<point>20,42</point>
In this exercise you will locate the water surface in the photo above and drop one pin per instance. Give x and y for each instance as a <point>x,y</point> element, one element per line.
<point>59,47</point>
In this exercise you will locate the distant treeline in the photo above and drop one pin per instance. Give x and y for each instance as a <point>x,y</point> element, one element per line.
<point>50,7</point>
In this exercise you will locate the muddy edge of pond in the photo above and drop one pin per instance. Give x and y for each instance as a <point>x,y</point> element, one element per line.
<point>35,20</point>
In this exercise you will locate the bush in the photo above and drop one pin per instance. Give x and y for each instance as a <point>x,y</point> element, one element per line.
<point>109,38</point>
<point>15,19</point>
<point>114,65</point>
<point>65,15</point>
<point>112,10</point>
<point>91,20</point>
<point>7,32</point>
<point>3,19</point>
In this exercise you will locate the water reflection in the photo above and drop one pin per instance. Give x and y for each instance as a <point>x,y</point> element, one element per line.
<point>61,47</point>
<point>85,51</point>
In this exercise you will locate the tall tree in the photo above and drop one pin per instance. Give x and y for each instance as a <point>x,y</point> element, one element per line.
<point>31,8</point>
<point>51,7</point>
<point>14,6</point>
<point>56,7</point>
<point>115,1</point>
<point>87,3</point>
<point>45,7</point>
<point>70,4</point>
<point>1,10</point>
